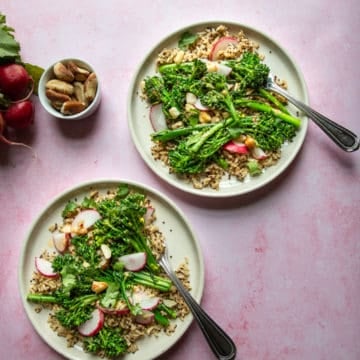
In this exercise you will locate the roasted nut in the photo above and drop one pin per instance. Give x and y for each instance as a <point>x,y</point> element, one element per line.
<point>80,73</point>
<point>56,96</point>
<point>60,86</point>
<point>99,286</point>
<point>72,107</point>
<point>90,87</point>
<point>57,105</point>
<point>63,73</point>
<point>79,92</point>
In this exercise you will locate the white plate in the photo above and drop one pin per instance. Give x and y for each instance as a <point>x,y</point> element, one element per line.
<point>280,64</point>
<point>180,240</point>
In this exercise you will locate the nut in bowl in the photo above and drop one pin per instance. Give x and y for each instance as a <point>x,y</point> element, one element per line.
<point>69,89</point>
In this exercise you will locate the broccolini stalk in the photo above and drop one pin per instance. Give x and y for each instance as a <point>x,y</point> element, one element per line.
<point>171,134</point>
<point>265,108</point>
<point>74,312</point>
<point>150,280</point>
<point>267,95</point>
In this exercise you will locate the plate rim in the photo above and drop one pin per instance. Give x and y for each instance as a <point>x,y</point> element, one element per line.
<point>76,189</point>
<point>178,183</point>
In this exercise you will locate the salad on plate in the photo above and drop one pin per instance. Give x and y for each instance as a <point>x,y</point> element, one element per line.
<point>211,114</point>
<point>102,284</point>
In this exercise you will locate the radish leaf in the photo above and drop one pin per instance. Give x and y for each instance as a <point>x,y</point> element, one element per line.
<point>9,47</point>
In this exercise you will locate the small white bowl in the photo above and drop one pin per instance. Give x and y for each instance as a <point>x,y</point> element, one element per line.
<point>48,74</point>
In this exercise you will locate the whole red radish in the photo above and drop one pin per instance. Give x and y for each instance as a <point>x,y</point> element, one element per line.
<point>19,115</point>
<point>14,81</point>
<point>4,139</point>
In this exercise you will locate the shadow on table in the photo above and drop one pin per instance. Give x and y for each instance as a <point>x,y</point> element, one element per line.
<point>234,201</point>
<point>79,128</point>
<point>26,136</point>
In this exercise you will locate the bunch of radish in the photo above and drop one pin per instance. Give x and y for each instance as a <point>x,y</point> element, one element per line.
<point>17,110</point>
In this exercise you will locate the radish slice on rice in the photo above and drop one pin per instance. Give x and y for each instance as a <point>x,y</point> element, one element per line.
<point>144,300</point>
<point>235,147</point>
<point>157,118</point>
<point>61,241</point>
<point>223,69</point>
<point>92,326</point>
<point>149,303</point>
<point>44,267</point>
<point>145,318</point>
<point>84,220</point>
<point>258,153</point>
<point>120,308</point>
<point>134,261</point>
<point>198,105</point>
<point>148,215</point>
<point>221,45</point>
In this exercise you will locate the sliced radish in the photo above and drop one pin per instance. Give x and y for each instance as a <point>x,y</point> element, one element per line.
<point>119,309</point>
<point>258,153</point>
<point>200,106</point>
<point>235,147</point>
<point>149,303</point>
<point>148,215</point>
<point>84,220</point>
<point>223,69</point>
<point>44,267</point>
<point>157,118</point>
<point>190,98</point>
<point>134,262</point>
<point>221,45</point>
<point>144,300</point>
<point>61,241</point>
<point>145,318</point>
<point>92,326</point>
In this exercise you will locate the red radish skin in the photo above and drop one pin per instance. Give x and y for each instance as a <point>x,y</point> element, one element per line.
<point>19,115</point>
<point>221,45</point>
<point>92,326</point>
<point>14,81</point>
<point>44,267</point>
<point>134,261</point>
<point>235,147</point>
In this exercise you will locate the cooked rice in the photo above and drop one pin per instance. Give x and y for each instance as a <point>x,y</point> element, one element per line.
<point>131,330</point>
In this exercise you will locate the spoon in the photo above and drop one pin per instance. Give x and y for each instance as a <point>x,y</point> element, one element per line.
<point>220,343</point>
<point>343,137</point>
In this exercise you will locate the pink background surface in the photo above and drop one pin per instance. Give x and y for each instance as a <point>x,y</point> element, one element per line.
<point>282,265</point>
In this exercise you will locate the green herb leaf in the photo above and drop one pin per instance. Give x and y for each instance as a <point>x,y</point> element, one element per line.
<point>187,39</point>
<point>35,72</point>
<point>9,47</point>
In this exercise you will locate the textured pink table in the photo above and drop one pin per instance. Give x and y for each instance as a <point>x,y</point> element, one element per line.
<point>283,265</point>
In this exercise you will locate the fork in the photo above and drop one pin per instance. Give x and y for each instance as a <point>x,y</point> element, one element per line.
<point>220,343</point>
<point>343,137</point>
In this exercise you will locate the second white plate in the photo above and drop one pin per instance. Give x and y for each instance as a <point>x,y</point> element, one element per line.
<point>180,240</point>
